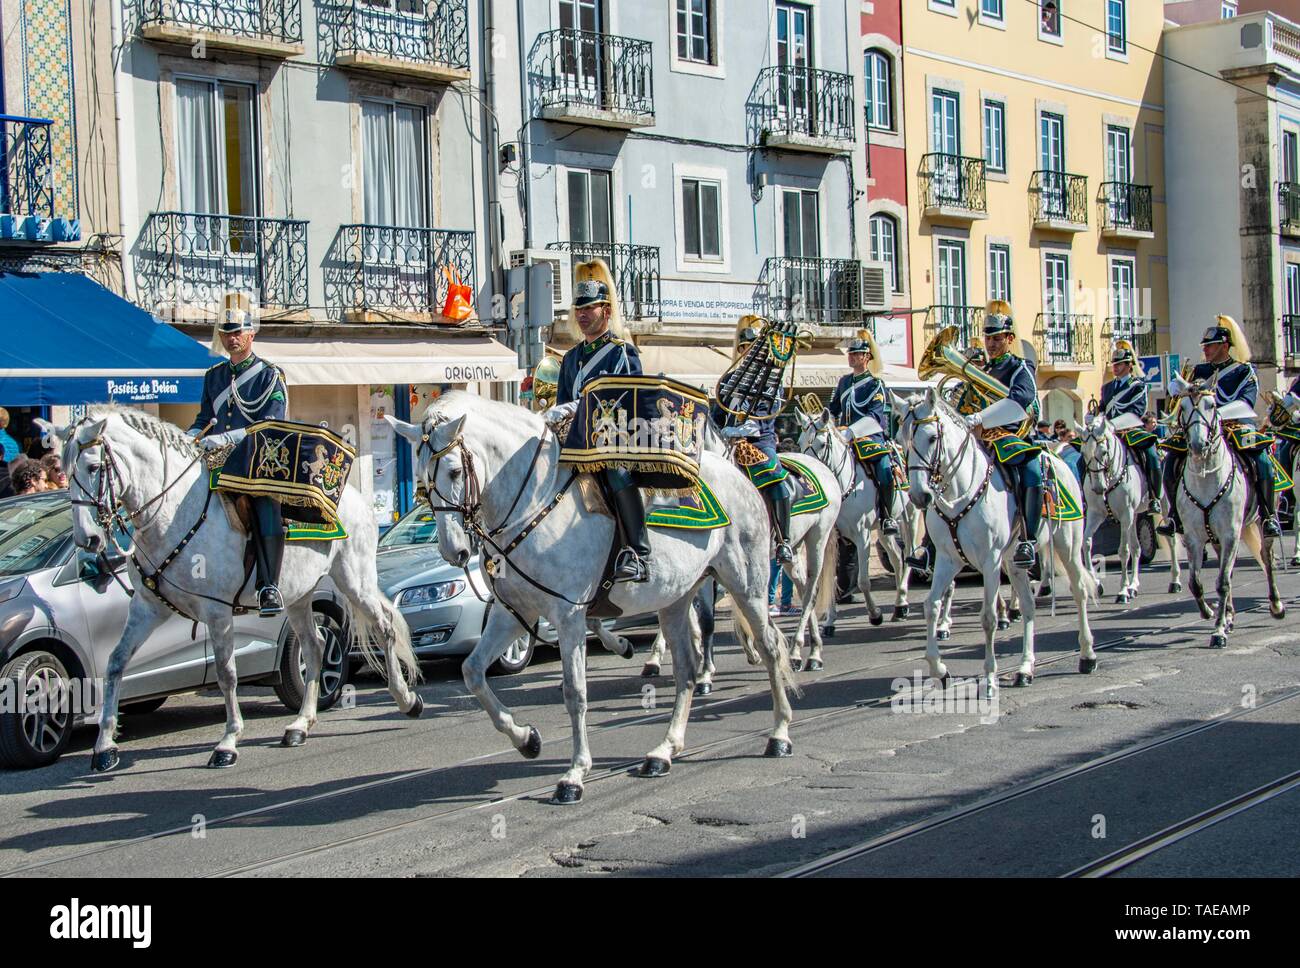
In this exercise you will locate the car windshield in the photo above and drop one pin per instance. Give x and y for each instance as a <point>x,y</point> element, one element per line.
<point>34,531</point>
<point>417,527</point>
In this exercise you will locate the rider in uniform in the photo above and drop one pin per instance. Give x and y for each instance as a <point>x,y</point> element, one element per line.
<point>1289,435</point>
<point>1127,394</point>
<point>1227,363</point>
<point>859,396</point>
<point>603,352</point>
<point>237,393</point>
<point>756,452</point>
<point>1010,450</point>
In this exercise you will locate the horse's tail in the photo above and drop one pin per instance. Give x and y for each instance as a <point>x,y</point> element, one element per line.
<point>778,645</point>
<point>827,586</point>
<point>365,637</point>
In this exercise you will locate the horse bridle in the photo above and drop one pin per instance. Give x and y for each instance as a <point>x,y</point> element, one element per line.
<point>843,459</point>
<point>1111,476</point>
<point>935,479</point>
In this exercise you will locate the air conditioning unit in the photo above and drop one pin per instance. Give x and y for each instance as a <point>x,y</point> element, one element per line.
<point>562,268</point>
<point>876,287</point>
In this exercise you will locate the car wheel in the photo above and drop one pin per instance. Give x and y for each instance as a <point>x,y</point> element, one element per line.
<point>335,671</point>
<point>1146,540</point>
<point>516,657</point>
<point>145,707</point>
<point>38,731</point>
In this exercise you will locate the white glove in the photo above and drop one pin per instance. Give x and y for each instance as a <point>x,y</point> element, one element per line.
<point>1291,401</point>
<point>972,420</point>
<point>217,441</point>
<point>748,429</point>
<point>846,434</point>
<point>1177,385</point>
<point>191,434</point>
<point>561,412</point>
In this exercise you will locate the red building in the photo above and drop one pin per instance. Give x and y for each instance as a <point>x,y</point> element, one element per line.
<point>887,169</point>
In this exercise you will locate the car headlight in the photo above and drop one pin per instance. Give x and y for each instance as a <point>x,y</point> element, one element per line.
<point>422,596</point>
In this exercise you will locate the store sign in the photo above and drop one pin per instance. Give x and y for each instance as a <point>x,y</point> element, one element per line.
<point>892,339</point>
<point>148,389</point>
<point>479,372</point>
<point>705,300</point>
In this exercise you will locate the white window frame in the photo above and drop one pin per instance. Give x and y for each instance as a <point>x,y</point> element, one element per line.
<point>691,263</point>
<point>1227,9</point>
<point>946,7</point>
<point>1004,248</point>
<point>716,33</point>
<point>1057,38</point>
<point>215,82</point>
<point>562,196</point>
<point>940,243</point>
<point>1050,256</point>
<point>1291,290</point>
<point>1112,292</point>
<point>985,102</point>
<point>780,219</point>
<point>888,59</point>
<point>426,147</point>
<point>1116,53</point>
<point>994,20</point>
<point>886,218</point>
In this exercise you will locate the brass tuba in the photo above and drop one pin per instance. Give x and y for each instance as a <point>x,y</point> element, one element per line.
<point>546,379</point>
<point>1279,417</point>
<point>942,358</point>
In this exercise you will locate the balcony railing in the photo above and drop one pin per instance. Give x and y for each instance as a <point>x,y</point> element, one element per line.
<point>635,269</point>
<point>1059,197</point>
<point>593,72</point>
<point>398,272</point>
<point>803,106</point>
<point>823,291</point>
<point>1125,207</point>
<point>421,32</point>
<point>1288,206</point>
<point>969,321</point>
<point>277,20</point>
<point>1291,336</point>
<point>1064,339</point>
<point>1138,330</point>
<point>28,184</point>
<point>954,183</point>
<point>185,259</point>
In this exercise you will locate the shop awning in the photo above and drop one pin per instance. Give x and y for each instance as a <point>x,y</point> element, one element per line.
<point>65,339</point>
<point>697,365</point>
<point>386,361</point>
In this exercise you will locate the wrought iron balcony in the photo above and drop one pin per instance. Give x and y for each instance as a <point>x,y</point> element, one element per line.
<point>1060,201</point>
<point>635,269</point>
<point>593,78</point>
<point>969,321</point>
<point>1291,337</point>
<point>1288,207</point>
<point>1138,330</point>
<point>1064,341</point>
<point>30,197</point>
<point>803,109</point>
<point>384,272</point>
<point>269,27</point>
<point>186,262</point>
<point>424,39</point>
<point>1126,211</point>
<point>823,291</point>
<point>953,187</point>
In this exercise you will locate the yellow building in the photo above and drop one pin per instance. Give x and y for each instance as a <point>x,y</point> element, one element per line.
<point>1035,133</point>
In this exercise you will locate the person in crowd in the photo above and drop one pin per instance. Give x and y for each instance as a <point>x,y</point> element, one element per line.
<point>777,575</point>
<point>55,479</point>
<point>9,448</point>
<point>27,476</point>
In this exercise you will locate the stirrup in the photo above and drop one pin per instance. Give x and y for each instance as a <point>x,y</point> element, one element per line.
<point>1155,507</point>
<point>269,601</point>
<point>1270,528</point>
<point>919,561</point>
<point>1167,528</point>
<point>784,554</point>
<point>1026,555</point>
<point>888,526</point>
<point>630,567</point>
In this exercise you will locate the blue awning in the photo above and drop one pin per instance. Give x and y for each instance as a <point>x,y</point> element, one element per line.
<point>65,339</point>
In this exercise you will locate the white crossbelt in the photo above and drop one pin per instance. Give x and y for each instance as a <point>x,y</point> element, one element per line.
<point>244,378</point>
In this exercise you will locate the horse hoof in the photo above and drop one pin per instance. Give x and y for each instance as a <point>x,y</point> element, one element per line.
<point>294,737</point>
<point>653,766</point>
<point>1013,614</point>
<point>532,747</point>
<point>943,635</point>
<point>796,665</point>
<point>945,680</point>
<point>105,760</point>
<point>567,793</point>
<point>1003,624</point>
<point>1101,589</point>
<point>902,612</point>
<point>649,671</point>
<point>779,747</point>
<point>876,617</point>
<point>1022,679</point>
<point>221,759</point>
<point>1175,587</point>
<point>1277,610</point>
<point>814,665</point>
<point>1087,666</point>
<point>703,688</point>
<point>1121,600</point>
<point>631,649</point>
<point>416,708</point>
<point>828,631</point>
<point>1218,641</point>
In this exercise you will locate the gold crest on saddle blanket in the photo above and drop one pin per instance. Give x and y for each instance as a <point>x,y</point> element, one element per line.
<point>300,465</point>
<point>272,458</point>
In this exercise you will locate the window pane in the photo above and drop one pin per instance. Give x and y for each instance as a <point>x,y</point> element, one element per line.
<point>240,155</point>
<point>377,162</point>
<point>691,215</point>
<point>790,210</point>
<point>710,221</point>
<point>683,38</point>
<point>579,207</point>
<point>196,135</point>
<point>408,166</point>
<point>602,227</point>
<point>811,235</point>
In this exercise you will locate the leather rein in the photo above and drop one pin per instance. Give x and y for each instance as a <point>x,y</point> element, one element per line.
<point>935,478</point>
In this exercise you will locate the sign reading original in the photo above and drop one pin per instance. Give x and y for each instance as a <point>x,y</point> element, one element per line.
<point>473,373</point>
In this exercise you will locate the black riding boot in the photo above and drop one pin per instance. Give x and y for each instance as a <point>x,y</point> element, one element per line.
<point>1031,515</point>
<point>780,511</point>
<point>633,562</point>
<point>1151,470</point>
<point>1266,493</point>
<point>885,503</point>
<point>1173,473</point>
<point>268,549</point>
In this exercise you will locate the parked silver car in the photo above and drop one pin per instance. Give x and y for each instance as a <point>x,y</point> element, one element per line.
<point>62,612</point>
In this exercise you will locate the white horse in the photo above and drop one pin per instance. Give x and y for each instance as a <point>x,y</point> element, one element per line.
<point>492,470</point>
<point>1114,487</point>
<point>1216,506</point>
<point>970,514</point>
<point>131,465</point>
<point>858,515</point>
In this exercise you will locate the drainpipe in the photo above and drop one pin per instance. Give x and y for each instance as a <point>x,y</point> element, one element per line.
<point>525,155</point>
<point>491,146</point>
<point>124,121</point>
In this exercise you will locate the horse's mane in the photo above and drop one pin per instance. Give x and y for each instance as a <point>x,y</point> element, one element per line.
<point>169,435</point>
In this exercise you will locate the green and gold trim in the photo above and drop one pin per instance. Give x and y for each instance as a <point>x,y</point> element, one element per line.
<point>701,511</point>
<point>816,498</point>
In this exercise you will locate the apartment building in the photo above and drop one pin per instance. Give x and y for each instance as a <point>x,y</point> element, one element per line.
<point>1036,133</point>
<point>1234,217</point>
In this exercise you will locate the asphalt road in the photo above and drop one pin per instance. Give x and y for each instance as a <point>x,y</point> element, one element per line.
<point>1071,769</point>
